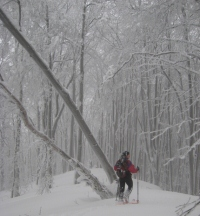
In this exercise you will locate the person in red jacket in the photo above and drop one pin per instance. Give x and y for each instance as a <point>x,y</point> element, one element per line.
<point>124,169</point>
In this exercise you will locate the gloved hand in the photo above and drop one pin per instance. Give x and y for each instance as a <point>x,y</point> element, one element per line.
<point>138,169</point>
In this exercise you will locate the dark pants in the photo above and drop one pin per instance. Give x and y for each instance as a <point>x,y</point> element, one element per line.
<point>126,180</point>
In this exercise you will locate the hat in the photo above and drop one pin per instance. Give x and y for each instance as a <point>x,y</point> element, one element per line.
<point>126,153</point>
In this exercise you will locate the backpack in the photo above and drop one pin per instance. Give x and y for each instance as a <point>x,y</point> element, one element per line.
<point>121,167</point>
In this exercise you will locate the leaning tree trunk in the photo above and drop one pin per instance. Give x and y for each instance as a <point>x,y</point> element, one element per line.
<point>63,93</point>
<point>85,173</point>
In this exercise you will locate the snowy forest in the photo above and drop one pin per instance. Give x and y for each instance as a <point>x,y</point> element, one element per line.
<point>83,80</point>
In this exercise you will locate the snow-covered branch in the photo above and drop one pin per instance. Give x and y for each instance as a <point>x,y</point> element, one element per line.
<point>156,55</point>
<point>178,156</point>
<point>189,149</point>
<point>181,211</point>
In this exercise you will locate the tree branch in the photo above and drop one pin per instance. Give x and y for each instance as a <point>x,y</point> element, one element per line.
<point>182,212</point>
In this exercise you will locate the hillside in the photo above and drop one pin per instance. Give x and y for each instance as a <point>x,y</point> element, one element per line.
<point>67,199</point>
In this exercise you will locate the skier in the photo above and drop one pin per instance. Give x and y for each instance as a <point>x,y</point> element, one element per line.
<point>124,169</point>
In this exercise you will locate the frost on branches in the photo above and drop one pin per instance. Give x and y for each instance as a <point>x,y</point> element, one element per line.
<point>188,207</point>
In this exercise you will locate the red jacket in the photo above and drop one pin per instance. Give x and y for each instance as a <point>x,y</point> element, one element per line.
<point>130,166</point>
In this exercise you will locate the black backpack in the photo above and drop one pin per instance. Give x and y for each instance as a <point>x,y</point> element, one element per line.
<point>121,167</point>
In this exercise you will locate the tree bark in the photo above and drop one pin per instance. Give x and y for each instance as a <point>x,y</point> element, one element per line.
<point>16,171</point>
<point>190,101</point>
<point>81,85</point>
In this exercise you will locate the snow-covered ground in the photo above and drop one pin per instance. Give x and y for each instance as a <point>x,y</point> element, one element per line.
<point>67,199</point>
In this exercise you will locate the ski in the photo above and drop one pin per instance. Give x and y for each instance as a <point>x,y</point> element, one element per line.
<point>134,202</point>
<point>131,202</point>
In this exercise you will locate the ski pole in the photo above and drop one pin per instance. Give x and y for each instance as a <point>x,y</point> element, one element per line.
<point>138,187</point>
<point>118,189</point>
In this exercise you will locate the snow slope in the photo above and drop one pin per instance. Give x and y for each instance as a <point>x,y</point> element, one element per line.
<point>67,199</point>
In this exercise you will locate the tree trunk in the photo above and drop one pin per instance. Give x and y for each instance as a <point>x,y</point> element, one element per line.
<point>81,90</point>
<point>16,172</point>
<point>190,102</point>
<point>72,123</point>
<point>38,148</point>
